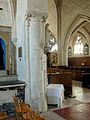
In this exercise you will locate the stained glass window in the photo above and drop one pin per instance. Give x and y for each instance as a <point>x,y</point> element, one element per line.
<point>78,47</point>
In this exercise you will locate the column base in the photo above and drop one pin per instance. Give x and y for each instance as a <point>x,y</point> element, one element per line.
<point>72,96</point>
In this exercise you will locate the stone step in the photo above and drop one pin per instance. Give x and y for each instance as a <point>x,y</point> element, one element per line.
<point>3,72</point>
<point>9,77</point>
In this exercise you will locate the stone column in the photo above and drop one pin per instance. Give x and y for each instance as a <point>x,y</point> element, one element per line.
<point>34,46</point>
<point>44,81</point>
<point>27,59</point>
<point>59,37</point>
<point>13,45</point>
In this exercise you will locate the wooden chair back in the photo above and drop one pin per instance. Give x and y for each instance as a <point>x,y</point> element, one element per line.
<point>28,113</point>
<point>24,111</point>
<point>3,116</point>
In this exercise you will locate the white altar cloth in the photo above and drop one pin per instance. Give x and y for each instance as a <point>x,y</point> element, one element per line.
<point>55,94</point>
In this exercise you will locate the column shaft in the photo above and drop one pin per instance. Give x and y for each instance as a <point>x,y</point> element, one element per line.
<point>34,50</point>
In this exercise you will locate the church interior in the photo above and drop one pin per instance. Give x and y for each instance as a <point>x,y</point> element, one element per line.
<point>50,41</point>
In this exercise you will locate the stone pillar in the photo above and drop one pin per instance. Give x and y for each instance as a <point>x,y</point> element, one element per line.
<point>59,37</point>
<point>13,56</point>
<point>27,59</point>
<point>34,46</point>
<point>44,81</point>
<point>13,47</point>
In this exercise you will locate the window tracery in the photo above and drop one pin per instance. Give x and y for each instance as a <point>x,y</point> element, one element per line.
<point>78,47</point>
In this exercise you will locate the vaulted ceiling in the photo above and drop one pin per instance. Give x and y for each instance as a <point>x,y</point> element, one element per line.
<point>9,6</point>
<point>87,27</point>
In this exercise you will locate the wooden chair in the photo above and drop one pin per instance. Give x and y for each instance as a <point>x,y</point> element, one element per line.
<point>27,112</point>
<point>38,117</point>
<point>17,108</point>
<point>3,116</point>
<point>24,111</point>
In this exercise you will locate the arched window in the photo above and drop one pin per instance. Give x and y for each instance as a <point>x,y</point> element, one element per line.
<point>69,51</point>
<point>78,47</point>
<point>86,49</point>
<point>54,48</point>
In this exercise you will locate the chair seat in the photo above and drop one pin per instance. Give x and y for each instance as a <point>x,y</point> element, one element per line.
<point>3,115</point>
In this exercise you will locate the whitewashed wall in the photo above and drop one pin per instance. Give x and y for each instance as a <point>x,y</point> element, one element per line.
<point>5,14</point>
<point>21,9</point>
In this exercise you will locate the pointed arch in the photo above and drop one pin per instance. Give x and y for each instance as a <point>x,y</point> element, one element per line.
<point>77,23</point>
<point>12,5</point>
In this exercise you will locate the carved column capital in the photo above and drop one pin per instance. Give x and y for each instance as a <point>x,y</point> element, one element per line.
<point>35,16</point>
<point>27,15</point>
<point>27,19</point>
<point>14,40</point>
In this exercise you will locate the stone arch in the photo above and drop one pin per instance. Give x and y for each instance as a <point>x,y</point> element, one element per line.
<point>78,22</point>
<point>52,13</point>
<point>13,8</point>
<point>86,34</point>
<point>12,5</point>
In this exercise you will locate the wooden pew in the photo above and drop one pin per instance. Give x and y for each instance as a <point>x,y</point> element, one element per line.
<point>62,77</point>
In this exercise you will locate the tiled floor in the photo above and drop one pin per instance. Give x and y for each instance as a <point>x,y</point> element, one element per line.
<point>77,112</point>
<point>82,96</point>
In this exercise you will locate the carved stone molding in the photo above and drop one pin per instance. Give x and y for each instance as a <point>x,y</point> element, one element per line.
<point>14,40</point>
<point>35,16</point>
<point>58,3</point>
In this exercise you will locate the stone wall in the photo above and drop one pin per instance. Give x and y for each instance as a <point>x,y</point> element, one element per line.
<point>21,9</point>
<point>5,14</point>
<point>52,17</point>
